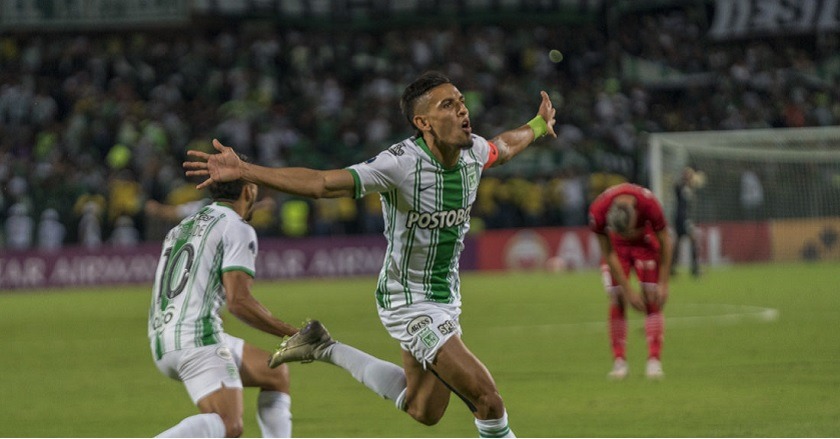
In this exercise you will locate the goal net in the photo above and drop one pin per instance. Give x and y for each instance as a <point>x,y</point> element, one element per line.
<point>774,192</point>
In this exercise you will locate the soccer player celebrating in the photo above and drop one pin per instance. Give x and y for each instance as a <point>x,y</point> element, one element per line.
<point>632,233</point>
<point>208,260</point>
<point>428,183</point>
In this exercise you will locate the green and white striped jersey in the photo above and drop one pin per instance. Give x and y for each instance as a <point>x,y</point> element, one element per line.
<point>427,211</point>
<point>188,291</point>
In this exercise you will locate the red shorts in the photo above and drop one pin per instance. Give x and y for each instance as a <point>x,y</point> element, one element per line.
<point>644,259</point>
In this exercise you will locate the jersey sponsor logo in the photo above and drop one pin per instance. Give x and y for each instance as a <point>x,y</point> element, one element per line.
<point>437,220</point>
<point>191,230</point>
<point>447,327</point>
<point>224,353</point>
<point>397,150</point>
<point>159,320</point>
<point>232,372</point>
<point>428,337</point>
<point>418,323</point>
<point>202,216</point>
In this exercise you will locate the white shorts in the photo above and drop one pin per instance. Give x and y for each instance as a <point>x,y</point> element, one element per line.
<point>205,369</point>
<point>422,328</point>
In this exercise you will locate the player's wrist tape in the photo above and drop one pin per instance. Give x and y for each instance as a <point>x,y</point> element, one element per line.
<point>538,126</point>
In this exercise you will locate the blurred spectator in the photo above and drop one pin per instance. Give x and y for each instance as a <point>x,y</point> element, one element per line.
<point>486,206</point>
<point>372,221</point>
<point>294,218</point>
<point>528,200</point>
<point>326,217</point>
<point>50,230</point>
<point>90,222</point>
<point>600,181</point>
<point>574,198</point>
<point>111,114</point>
<point>752,195</point>
<point>124,196</point>
<point>19,227</point>
<point>173,213</point>
<point>18,191</point>
<point>160,217</point>
<point>264,218</point>
<point>125,234</point>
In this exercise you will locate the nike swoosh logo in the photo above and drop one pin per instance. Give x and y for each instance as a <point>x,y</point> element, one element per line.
<point>426,187</point>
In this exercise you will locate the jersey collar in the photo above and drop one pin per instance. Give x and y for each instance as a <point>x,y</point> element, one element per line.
<point>224,204</point>
<point>422,144</point>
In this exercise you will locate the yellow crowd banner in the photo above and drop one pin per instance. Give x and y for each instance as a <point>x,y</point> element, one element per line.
<point>811,239</point>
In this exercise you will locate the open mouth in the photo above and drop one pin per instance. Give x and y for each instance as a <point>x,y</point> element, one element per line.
<point>465,125</point>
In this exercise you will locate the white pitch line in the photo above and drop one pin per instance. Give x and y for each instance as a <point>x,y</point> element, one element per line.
<point>731,314</point>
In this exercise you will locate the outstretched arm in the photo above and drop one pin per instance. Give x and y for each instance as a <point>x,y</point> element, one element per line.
<point>226,166</point>
<point>245,307</point>
<point>510,143</point>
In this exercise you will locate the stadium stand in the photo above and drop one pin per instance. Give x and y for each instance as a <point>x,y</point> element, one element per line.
<point>98,121</point>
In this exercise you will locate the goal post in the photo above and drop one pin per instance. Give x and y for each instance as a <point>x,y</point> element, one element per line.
<point>786,181</point>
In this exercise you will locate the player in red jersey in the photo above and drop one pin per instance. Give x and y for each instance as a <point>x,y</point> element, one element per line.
<point>633,234</point>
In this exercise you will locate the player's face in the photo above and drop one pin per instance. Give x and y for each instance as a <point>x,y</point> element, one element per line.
<point>446,117</point>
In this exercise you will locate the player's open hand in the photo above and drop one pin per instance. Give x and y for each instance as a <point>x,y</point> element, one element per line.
<point>547,111</point>
<point>221,167</point>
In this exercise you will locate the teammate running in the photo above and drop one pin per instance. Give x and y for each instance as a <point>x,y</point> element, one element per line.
<point>633,233</point>
<point>428,184</point>
<point>208,259</point>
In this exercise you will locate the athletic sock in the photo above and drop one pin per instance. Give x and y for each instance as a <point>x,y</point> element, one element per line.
<point>274,414</point>
<point>385,379</point>
<point>618,331</point>
<point>204,425</point>
<point>494,427</point>
<point>400,401</point>
<point>654,329</point>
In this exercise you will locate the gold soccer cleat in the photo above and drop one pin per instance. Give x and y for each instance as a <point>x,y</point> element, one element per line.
<point>306,346</point>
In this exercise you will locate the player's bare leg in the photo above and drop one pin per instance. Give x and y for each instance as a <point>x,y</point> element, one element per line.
<point>227,403</point>
<point>464,373</point>
<point>426,397</point>
<point>274,414</point>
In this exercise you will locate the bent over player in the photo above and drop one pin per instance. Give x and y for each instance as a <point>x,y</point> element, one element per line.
<point>428,184</point>
<point>208,260</point>
<point>633,234</point>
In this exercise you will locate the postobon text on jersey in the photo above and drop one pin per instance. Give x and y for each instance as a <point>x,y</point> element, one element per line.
<point>437,220</point>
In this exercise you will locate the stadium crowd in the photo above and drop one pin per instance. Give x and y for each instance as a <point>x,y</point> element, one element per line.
<point>94,127</point>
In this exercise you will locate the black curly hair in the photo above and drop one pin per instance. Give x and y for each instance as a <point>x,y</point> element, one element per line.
<point>418,88</point>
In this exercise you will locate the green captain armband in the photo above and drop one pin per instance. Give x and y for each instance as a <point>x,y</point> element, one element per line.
<point>538,126</point>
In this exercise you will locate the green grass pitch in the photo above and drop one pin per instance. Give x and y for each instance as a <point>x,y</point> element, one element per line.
<point>750,351</point>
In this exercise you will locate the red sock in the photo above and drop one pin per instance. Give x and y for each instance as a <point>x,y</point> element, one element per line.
<point>618,331</point>
<point>654,329</point>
